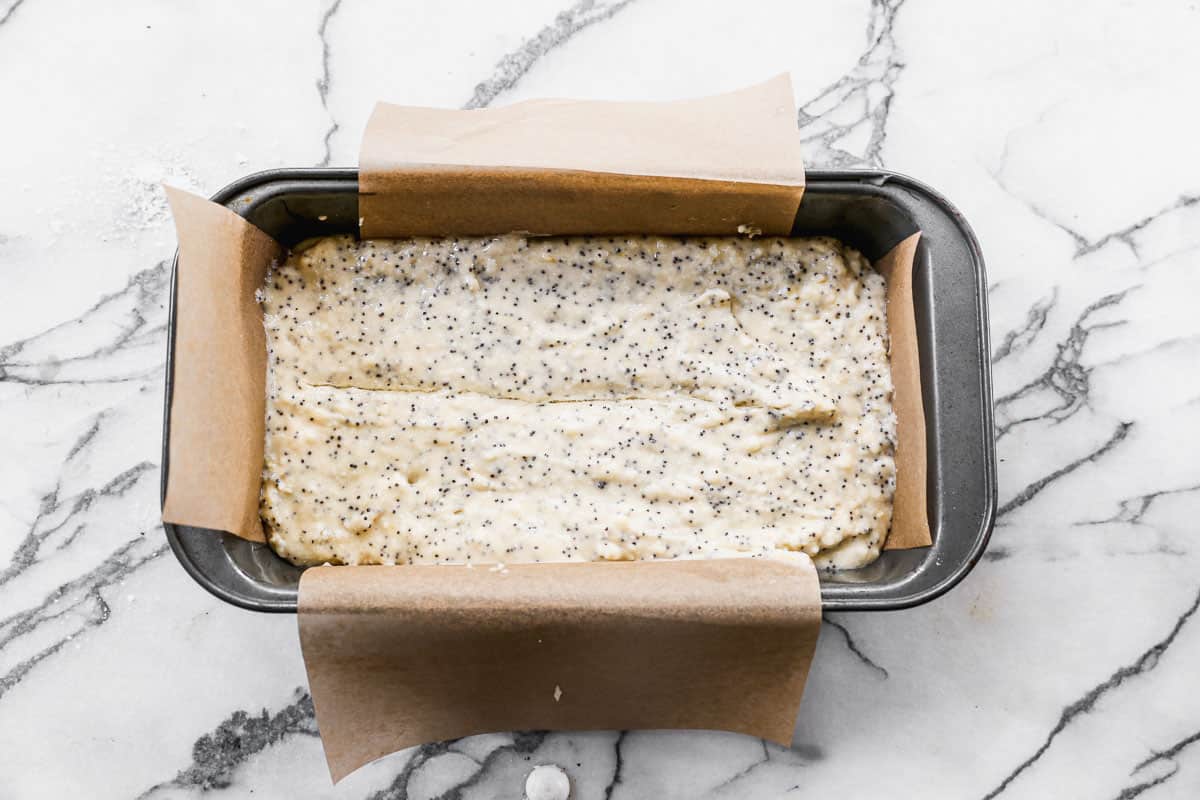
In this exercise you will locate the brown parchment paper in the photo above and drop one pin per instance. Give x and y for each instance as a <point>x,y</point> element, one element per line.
<point>452,643</point>
<point>219,398</point>
<point>397,656</point>
<point>562,166</point>
<point>910,519</point>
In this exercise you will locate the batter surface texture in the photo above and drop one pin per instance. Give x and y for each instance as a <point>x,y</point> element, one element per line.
<point>505,399</point>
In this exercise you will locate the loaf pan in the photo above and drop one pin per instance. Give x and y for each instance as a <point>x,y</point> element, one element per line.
<point>868,209</point>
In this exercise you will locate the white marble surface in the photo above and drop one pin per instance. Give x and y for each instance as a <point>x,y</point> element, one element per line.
<point>1066,665</point>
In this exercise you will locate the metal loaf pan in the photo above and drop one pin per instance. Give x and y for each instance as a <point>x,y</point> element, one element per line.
<point>871,210</point>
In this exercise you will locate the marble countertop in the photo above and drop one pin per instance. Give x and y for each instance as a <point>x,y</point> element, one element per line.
<point>1065,665</point>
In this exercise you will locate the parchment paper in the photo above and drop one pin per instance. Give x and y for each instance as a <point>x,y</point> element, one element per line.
<point>562,166</point>
<point>910,518</point>
<point>400,655</point>
<point>218,404</point>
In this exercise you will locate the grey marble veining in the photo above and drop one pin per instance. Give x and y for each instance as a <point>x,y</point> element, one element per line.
<point>1064,666</point>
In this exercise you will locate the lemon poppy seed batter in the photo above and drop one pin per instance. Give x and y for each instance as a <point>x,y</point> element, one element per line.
<point>506,399</point>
